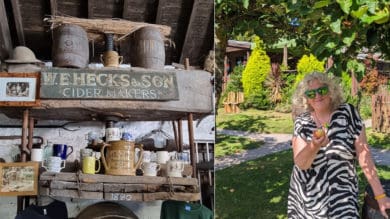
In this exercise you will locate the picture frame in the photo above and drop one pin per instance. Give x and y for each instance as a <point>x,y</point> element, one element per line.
<point>19,179</point>
<point>19,89</point>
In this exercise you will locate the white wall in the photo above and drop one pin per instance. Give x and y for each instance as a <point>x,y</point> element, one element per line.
<point>203,130</point>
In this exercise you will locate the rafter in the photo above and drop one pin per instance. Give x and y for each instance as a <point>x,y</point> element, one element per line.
<point>18,22</point>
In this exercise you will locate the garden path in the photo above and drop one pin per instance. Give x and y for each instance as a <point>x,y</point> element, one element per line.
<point>274,143</point>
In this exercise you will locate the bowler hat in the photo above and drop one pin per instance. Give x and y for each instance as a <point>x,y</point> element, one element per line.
<point>22,54</point>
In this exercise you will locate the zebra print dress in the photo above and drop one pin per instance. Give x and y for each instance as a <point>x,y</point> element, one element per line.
<point>329,188</point>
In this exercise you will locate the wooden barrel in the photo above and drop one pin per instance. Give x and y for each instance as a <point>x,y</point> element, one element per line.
<point>148,48</point>
<point>70,47</point>
<point>370,209</point>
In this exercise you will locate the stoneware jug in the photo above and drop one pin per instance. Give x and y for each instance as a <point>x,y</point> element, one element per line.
<point>118,157</point>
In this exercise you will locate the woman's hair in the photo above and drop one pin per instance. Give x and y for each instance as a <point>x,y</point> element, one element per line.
<point>299,99</point>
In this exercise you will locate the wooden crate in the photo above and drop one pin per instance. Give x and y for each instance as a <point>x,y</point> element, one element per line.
<point>119,188</point>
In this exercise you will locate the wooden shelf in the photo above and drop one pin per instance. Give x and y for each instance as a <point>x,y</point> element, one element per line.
<point>118,188</point>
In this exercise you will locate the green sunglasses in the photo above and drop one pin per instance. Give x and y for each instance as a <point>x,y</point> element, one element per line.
<point>322,91</point>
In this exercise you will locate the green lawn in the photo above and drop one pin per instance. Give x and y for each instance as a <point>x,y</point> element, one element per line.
<point>259,188</point>
<point>255,121</point>
<point>262,121</point>
<point>228,145</point>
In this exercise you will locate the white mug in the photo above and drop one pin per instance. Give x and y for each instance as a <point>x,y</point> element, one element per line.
<point>37,154</point>
<point>175,168</point>
<point>54,164</point>
<point>162,157</point>
<point>150,168</point>
<point>113,134</point>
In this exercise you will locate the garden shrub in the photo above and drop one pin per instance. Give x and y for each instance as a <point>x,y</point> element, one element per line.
<point>254,74</point>
<point>306,65</point>
<point>234,83</point>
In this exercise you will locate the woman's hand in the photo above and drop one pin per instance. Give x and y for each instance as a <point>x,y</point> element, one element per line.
<point>384,204</point>
<point>319,138</point>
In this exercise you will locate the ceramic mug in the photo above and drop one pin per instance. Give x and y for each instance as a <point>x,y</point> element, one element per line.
<point>162,157</point>
<point>175,168</point>
<point>150,168</point>
<point>61,150</point>
<point>113,134</point>
<point>54,164</point>
<point>37,154</point>
<point>85,152</point>
<point>184,156</point>
<point>126,136</point>
<point>89,165</point>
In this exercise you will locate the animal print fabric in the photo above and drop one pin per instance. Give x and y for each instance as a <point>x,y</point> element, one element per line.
<point>329,188</point>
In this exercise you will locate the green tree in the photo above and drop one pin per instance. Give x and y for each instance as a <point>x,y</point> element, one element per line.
<point>341,28</point>
<point>256,71</point>
<point>306,65</point>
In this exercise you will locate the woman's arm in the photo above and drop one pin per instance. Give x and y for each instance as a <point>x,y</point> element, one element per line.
<point>306,151</point>
<point>368,166</point>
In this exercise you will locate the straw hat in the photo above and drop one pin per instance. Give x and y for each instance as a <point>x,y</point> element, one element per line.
<point>22,54</point>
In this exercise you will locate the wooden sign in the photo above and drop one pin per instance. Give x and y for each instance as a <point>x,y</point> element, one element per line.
<point>132,84</point>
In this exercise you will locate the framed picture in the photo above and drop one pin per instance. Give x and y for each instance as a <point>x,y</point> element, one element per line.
<point>19,89</point>
<point>19,179</point>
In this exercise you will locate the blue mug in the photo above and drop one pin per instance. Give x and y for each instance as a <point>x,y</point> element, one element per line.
<point>126,136</point>
<point>61,150</point>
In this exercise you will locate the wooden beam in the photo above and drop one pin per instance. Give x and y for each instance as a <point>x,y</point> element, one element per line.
<point>91,7</point>
<point>139,11</point>
<point>5,35</point>
<point>53,7</point>
<point>198,32</point>
<point>18,22</point>
<point>98,26</point>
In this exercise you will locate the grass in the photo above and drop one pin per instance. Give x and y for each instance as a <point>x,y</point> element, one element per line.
<point>378,140</point>
<point>228,145</point>
<point>259,188</point>
<point>255,121</point>
<point>262,121</point>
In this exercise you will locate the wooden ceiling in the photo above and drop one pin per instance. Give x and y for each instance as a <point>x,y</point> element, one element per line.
<point>191,23</point>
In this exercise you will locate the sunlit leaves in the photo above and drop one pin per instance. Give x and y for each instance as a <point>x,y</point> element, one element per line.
<point>336,26</point>
<point>320,4</point>
<point>360,12</point>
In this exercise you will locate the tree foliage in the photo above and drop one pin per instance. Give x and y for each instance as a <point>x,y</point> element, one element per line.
<point>342,28</point>
<point>306,65</point>
<point>256,70</point>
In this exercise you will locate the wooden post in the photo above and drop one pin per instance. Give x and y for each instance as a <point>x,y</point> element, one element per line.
<point>24,136</point>
<point>30,133</point>
<point>192,144</point>
<point>225,72</point>
<point>175,134</point>
<point>187,64</point>
<point>23,149</point>
<point>180,133</point>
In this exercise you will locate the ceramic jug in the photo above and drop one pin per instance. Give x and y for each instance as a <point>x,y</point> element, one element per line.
<point>118,157</point>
